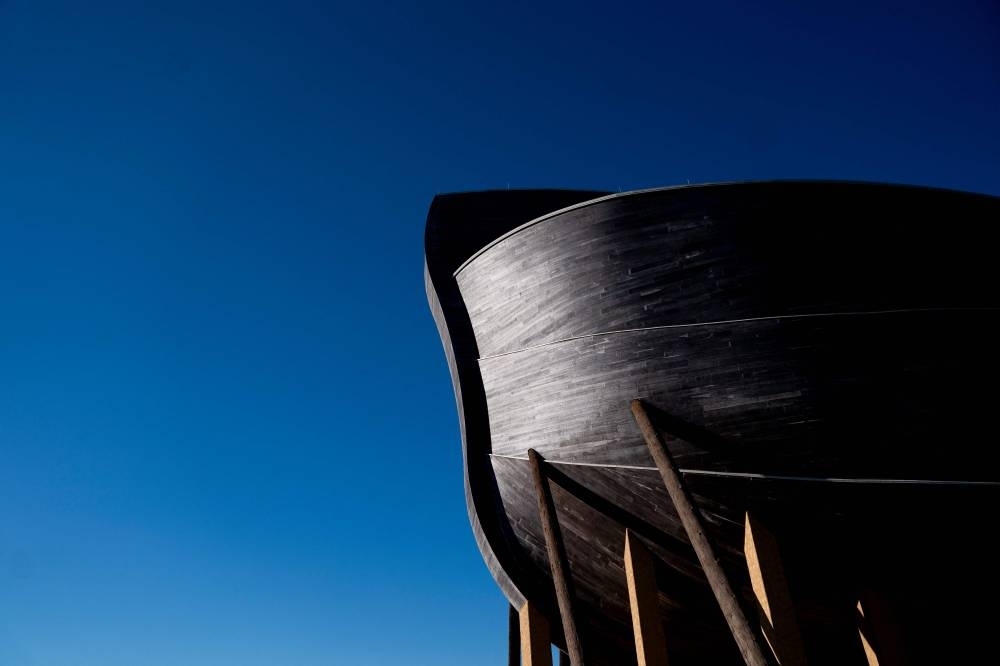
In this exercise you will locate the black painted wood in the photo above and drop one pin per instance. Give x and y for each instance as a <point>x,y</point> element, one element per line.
<point>831,396</point>
<point>803,329</point>
<point>702,254</point>
<point>457,226</point>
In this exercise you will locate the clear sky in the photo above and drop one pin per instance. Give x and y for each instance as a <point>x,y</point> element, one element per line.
<point>227,430</point>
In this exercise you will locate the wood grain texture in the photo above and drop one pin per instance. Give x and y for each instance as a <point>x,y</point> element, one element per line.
<point>802,329</point>
<point>824,397</point>
<point>457,226</point>
<point>696,255</point>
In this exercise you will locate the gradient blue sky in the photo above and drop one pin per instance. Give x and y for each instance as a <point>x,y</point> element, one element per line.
<point>227,432</point>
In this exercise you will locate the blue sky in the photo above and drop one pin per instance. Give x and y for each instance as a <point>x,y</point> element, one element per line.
<point>227,432</point>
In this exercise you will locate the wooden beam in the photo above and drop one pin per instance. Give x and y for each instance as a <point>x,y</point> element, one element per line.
<point>865,635</point>
<point>513,637</point>
<point>746,641</point>
<point>650,645</point>
<point>558,563</point>
<point>880,636</point>
<point>536,646</point>
<point>767,576</point>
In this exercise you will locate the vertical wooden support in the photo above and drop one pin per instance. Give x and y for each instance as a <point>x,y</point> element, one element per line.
<point>767,576</point>
<point>746,641</point>
<point>536,646</point>
<point>865,634</point>
<point>513,637</point>
<point>650,645</point>
<point>880,636</point>
<point>558,563</point>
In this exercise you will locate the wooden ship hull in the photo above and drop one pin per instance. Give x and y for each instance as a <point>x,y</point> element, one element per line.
<point>818,360</point>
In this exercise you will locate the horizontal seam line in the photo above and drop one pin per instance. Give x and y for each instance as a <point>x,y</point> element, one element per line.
<point>737,321</point>
<point>771,477</point>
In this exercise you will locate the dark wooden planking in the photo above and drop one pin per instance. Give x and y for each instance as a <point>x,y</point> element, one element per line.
<point>886,395</point>
<point>832,396</point>
<point>457,226</point>
<point>689,255</point>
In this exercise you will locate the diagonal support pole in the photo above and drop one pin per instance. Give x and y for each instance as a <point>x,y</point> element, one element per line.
<point>746,640</point>
<point>558,562</point>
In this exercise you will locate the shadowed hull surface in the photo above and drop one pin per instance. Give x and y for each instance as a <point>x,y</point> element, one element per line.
<point>782,330</point>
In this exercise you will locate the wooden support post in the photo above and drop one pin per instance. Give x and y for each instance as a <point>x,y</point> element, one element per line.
<point>880,637</point>
<point>767,576</point>
<point>558,563</point>
<point>866,642</point>
<point>746,641</point>
<point>513,637</point>
<point>650,645</point>
<point>536,646</point>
